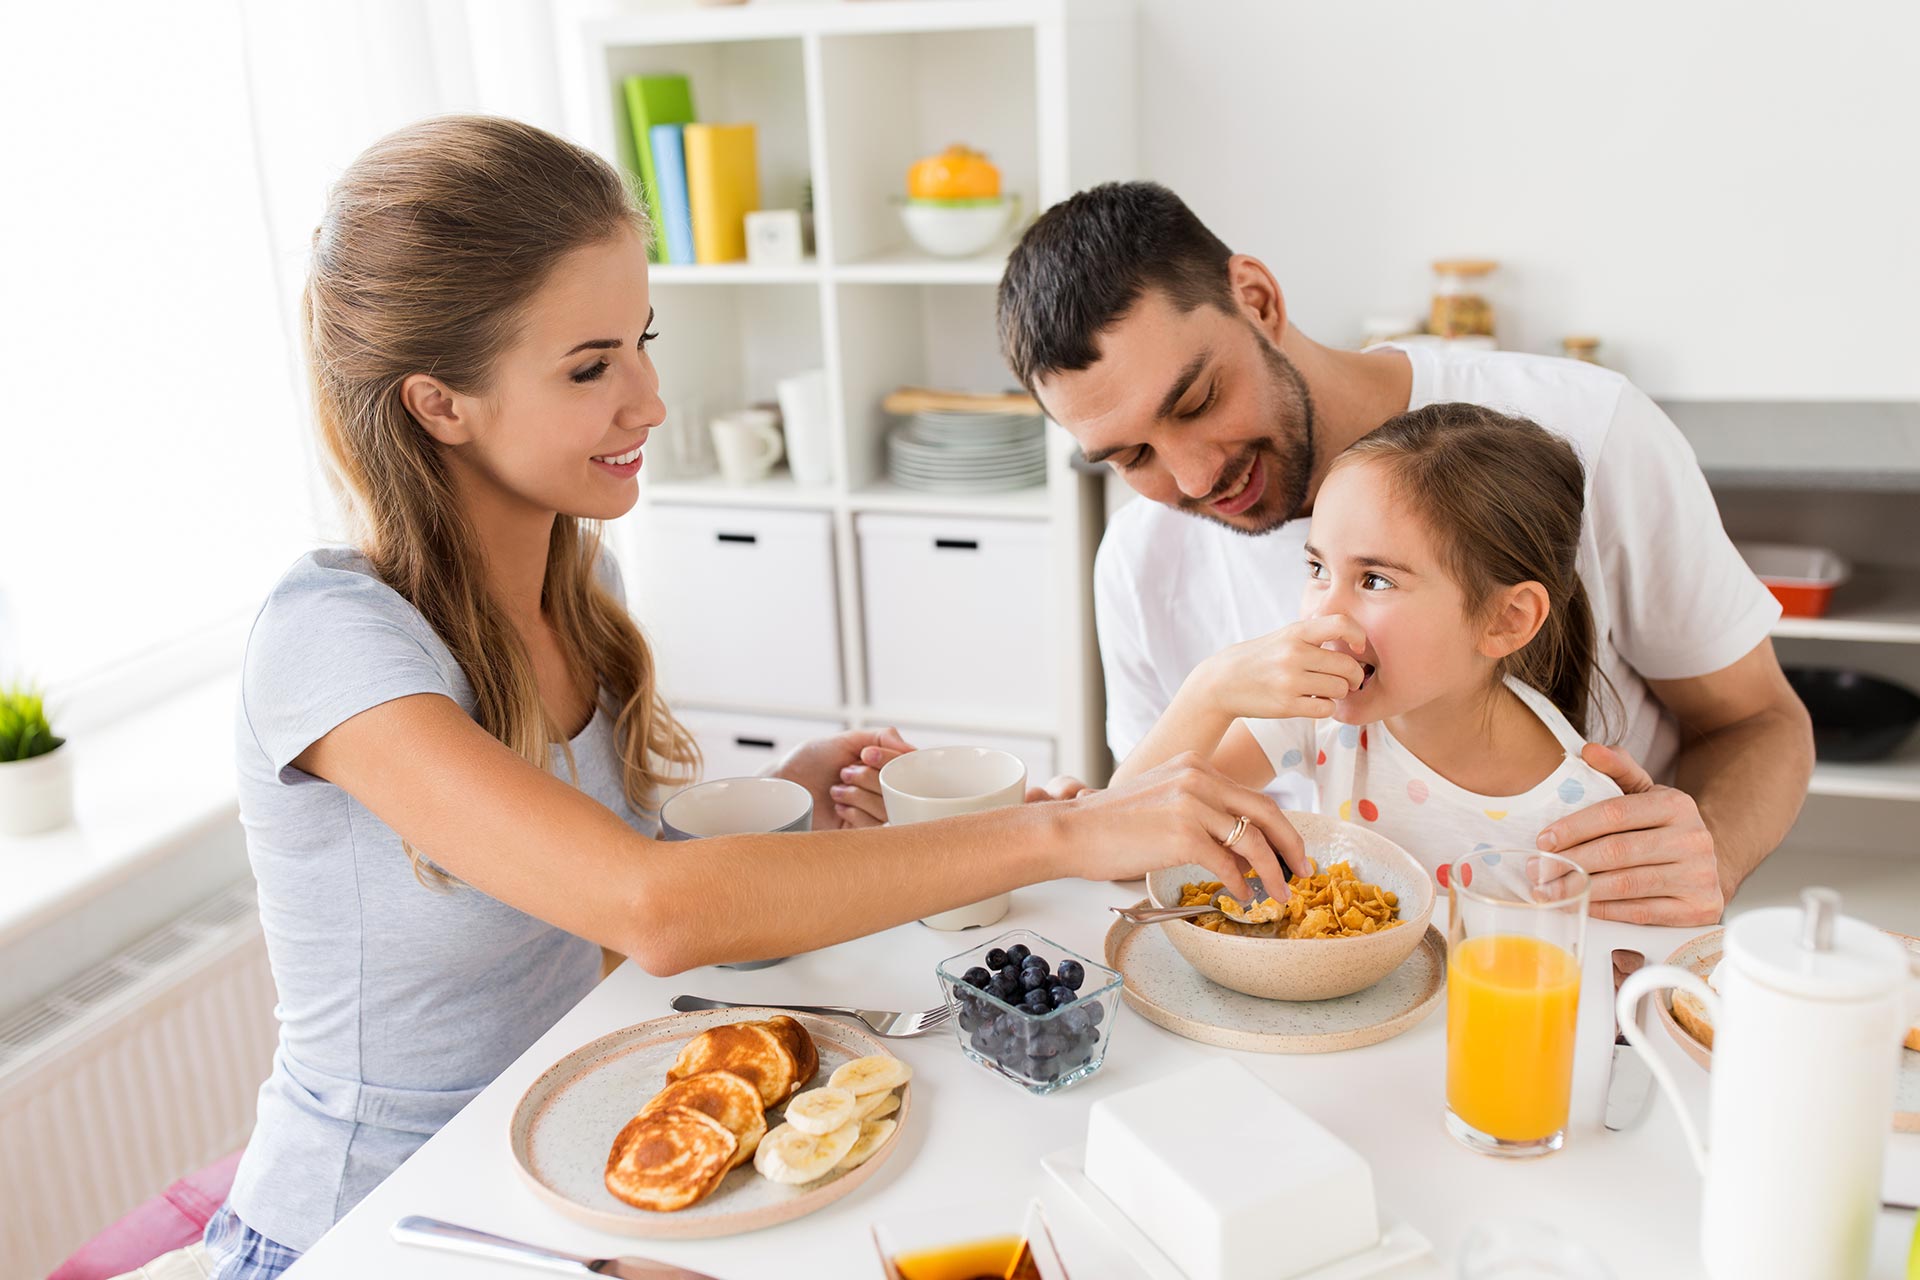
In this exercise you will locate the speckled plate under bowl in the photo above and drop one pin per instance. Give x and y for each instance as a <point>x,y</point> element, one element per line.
<point>1308,968</point>
<point>568,1118</point>
<point>1167,991</point>
<point>1699,955</point>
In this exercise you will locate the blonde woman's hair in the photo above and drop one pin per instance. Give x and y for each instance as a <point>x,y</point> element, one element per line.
<point>433,242</point>
<point>1504,497</point>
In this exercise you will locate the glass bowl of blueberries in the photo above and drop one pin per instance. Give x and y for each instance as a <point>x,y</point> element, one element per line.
<point>1031,1010</point>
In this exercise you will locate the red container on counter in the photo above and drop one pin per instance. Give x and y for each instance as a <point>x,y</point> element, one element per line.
<point>1801,578</point>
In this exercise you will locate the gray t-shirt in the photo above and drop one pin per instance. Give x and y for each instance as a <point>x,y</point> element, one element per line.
<point>398,1002</point>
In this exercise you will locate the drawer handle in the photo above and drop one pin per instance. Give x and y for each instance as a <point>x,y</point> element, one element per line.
<point>748,538</point>
<point>956,544</point>
<point>764,744</point>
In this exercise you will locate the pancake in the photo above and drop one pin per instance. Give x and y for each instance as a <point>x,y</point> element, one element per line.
<point>748,1050</point>
<point>799,1043</point>
<point>726,1097</point>
<point>669,1159</point>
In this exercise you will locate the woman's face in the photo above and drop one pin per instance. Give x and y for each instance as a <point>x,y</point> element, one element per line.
<point>576,394</point>
<point>1373,558</point>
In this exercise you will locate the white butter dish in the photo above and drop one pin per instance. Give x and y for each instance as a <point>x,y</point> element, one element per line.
<point>1399,1244</point>
<point>1211,1201</point>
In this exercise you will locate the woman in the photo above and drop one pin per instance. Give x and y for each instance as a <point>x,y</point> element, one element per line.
<point>451,740</point>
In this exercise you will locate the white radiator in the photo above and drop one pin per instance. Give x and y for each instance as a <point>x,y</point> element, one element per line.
<point>133,1074</point>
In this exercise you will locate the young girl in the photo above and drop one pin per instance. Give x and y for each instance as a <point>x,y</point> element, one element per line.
<point>1438,688</point>
<point>450,743</point>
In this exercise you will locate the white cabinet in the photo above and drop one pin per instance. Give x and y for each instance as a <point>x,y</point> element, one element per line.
<point>738,744</point>
<point>957,617</point>
<point>742,606</point>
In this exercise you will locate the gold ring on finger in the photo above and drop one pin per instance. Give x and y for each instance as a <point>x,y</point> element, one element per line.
<point>1239,829</point>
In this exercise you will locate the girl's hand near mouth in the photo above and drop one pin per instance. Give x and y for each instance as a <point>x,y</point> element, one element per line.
<point>1300,670</point>
<point>1288,674</point>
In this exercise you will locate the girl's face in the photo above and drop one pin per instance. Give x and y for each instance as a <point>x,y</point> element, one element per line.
<point>576,394</point>
<point>1371,557</point>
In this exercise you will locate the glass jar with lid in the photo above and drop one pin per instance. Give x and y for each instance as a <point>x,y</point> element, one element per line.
<point>1460,307</point>
<point>1582,347</point>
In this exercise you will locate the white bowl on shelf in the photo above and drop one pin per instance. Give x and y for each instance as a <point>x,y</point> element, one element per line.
<point>958,228</point>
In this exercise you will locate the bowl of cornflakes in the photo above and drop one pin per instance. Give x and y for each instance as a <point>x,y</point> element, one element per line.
<point>1350,924</point>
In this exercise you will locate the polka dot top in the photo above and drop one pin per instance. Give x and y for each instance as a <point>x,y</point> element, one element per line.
<point>1361,774</point>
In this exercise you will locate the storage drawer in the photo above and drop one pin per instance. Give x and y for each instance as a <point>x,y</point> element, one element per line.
<point>741,605</point>
<point>1036,753</point>
<point>736,744</point>
<point>958,617</point>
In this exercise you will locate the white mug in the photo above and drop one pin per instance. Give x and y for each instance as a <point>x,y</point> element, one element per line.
<point>804,417</point>
<point>945,782</point>
<point>748,444</point>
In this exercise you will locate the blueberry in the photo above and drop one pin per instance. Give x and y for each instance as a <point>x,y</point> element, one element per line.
<point>1006,985</point>
<point>1045,1044</point>
<point>1018,953</point>
<point>1037,1002</point>
<point>976,977</point>
<point>984,1041</point>
<point>1076,1019</point>
<point>1094,1012</point>
<point>1034,980</point>
<point>1071,974</point>
<point>1008,1026</point>
<point>1061,995</point>
<point>996,959</point>
<point>1035,962</point>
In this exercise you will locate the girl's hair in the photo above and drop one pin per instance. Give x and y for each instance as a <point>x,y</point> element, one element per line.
<point>433,242</point>
<point>1503,497</point>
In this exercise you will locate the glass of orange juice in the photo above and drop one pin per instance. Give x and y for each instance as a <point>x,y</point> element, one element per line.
<point>1517,924</point>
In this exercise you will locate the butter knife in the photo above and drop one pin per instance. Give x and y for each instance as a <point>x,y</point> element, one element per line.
<point>1629,1085</point>
<point>432,1233</point>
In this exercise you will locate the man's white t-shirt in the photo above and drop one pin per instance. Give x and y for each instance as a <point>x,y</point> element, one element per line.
<point>1671,598</point>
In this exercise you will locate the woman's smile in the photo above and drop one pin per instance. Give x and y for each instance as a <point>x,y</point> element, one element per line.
<point>623,465</point>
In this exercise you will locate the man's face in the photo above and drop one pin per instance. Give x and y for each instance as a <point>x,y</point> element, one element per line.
<point>1197,411</point>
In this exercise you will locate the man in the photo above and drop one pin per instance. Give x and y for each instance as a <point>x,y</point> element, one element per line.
<point>1172,358</point>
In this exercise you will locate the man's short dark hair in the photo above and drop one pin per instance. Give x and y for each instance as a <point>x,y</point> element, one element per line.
<point>1085,261</point>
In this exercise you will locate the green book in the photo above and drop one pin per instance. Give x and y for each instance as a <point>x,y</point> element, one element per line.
<point>653,100</point>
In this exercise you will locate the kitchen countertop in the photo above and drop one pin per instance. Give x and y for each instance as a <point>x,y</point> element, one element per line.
<point>1633,1197</point>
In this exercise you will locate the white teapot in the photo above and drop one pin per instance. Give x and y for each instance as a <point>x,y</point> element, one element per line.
<point>1807,1036</point>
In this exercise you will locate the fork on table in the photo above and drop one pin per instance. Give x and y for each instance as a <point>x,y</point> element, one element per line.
<point>882,1022</point>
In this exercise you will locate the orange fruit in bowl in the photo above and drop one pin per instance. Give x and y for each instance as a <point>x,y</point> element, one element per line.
<point>958,173</point>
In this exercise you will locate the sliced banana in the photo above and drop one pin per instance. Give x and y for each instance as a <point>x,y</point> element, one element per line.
<point>875,1074</point>
<point>873,1133</point>
<point>874,1105</point>
<point>821,1111</point>
<point>790,1156</point>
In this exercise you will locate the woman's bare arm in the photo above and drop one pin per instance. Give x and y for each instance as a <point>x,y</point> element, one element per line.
<point>523,836</point>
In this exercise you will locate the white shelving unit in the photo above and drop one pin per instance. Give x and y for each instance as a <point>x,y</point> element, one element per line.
<point>844,98</point>
<point>1845,476</point>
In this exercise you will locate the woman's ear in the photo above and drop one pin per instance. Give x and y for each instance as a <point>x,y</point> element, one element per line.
<point>1518,613</point>
<point>1258,295</point>
<point>440,412</point>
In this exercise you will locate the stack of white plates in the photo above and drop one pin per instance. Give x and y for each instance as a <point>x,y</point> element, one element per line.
<point>955,452</point>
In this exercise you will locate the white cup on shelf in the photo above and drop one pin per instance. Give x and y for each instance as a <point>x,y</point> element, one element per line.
<point>945,782</point>
<point>803,416</point>
<point>748,444</point>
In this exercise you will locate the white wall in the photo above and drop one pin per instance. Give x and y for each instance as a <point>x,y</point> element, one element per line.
<point>1725,193</point>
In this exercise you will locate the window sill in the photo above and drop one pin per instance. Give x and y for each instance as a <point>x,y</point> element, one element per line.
<point>156,830</point>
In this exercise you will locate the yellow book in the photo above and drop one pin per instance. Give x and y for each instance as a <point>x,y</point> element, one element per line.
<point>723,186</point>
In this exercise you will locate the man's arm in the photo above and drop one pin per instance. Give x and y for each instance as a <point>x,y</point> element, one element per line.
<point>1675,855</point>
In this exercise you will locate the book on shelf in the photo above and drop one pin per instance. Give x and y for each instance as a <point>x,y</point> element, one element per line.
<point>723,187</point>
<point>675,228</point>
<point>653,100</point>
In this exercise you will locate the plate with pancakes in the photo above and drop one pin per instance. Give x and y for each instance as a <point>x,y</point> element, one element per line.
<point>1690,1023</point>
<point>710,1123</point>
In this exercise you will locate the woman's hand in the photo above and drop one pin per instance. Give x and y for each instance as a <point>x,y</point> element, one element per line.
<point>1177,813</point>
<point>1063,787</point>
<point>843,775</point>
<point>1286,674</point>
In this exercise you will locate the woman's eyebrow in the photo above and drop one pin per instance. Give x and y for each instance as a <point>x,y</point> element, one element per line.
<point>596,344</point>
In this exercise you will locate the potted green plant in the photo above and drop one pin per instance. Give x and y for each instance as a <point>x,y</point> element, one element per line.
<point>36,780</point>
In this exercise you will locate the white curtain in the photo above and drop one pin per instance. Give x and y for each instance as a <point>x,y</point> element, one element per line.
<point>167,164</point>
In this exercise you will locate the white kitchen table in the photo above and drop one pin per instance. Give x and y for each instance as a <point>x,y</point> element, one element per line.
<point>1633,1197</point>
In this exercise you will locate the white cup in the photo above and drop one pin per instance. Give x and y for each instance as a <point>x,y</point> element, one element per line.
<point>748,444</point>
<point>803,415</point>
<point>945,782</point>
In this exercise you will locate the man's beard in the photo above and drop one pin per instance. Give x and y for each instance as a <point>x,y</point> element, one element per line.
<point>1288,456</point>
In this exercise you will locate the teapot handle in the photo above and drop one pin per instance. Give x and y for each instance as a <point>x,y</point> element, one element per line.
<point>1659,978</point>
